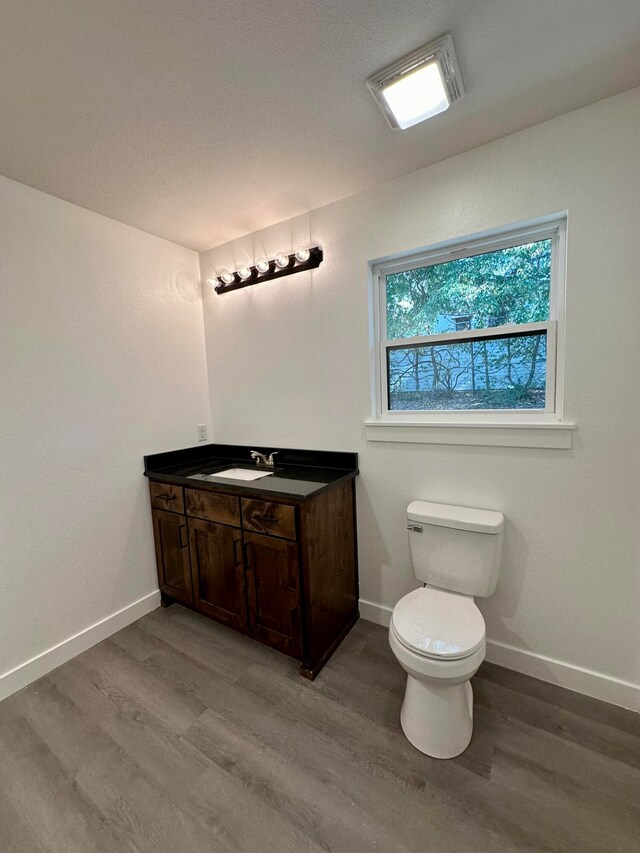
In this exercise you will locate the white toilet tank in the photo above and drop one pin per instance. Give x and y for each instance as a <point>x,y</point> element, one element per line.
<point>455,547</point>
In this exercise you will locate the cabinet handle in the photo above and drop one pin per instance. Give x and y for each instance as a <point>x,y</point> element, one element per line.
<point>247,553</point>
<point>237,559</point>
<point>183,543</point>
<point>166,497</point>
<point>266,519</point>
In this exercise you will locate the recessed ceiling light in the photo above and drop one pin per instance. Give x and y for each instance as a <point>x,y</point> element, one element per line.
<point>418,86</point>
<point>417,95</point>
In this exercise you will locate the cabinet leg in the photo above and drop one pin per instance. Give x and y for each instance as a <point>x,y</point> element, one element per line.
<point>166,600</point>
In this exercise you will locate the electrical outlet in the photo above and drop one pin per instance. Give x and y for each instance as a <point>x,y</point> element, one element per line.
<point>202,432</point>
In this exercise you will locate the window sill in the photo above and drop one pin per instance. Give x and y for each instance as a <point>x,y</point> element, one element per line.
<point>545,435</point>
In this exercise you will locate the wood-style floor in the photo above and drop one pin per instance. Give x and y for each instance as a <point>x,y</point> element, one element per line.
<point>178,735</point>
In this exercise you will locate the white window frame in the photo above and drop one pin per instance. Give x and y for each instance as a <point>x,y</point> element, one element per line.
<point>553,228</point>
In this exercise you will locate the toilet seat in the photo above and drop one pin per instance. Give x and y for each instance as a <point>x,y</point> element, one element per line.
<point>437,624</point>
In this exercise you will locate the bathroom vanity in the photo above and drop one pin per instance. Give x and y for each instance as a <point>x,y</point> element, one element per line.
<point>269,552</point>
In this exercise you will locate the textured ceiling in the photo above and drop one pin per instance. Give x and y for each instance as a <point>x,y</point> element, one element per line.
<point>200,120</point>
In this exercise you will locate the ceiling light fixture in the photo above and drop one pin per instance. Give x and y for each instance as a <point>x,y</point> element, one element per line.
<point>264,270</point>
<point>418,86</point>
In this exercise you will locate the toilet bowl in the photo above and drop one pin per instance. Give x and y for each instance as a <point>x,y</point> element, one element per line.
<point>438,638</point>
<point>437,632</point>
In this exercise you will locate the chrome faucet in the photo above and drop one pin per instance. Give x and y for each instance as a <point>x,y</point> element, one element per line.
<point>262,459</point>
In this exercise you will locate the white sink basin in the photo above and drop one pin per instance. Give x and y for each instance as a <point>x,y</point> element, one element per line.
<point>241,474</point>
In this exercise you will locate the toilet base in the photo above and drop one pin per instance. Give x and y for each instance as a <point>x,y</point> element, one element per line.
<point>437,720</point>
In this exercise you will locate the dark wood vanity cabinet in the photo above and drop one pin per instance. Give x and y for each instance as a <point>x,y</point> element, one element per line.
<point>283,572</point>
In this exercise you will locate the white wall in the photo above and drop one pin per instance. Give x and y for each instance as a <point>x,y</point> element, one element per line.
<point>289,365</point>
<point>101,361</point>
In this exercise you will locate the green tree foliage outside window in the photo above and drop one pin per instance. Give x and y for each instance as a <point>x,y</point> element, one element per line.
<point>509,286</point>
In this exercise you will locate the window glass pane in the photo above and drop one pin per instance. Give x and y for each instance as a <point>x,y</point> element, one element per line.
<point>485,373</point>
<point>507,286</point>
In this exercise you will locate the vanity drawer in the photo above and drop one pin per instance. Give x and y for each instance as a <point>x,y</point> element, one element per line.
<point>224,509</point>
<point>164,496</point>
<point>270,518</point>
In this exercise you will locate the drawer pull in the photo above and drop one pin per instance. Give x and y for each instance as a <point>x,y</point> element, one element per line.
<point>266,519</point>
<point>166,497</point>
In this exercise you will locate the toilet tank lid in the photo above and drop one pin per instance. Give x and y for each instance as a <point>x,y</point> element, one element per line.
<point>459,517</point>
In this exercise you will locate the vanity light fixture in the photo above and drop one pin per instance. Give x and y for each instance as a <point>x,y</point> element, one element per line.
<point>264,270</point>
<point>418,86</point>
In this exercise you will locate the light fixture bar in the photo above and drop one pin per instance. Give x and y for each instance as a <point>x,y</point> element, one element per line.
<point>293,265</point>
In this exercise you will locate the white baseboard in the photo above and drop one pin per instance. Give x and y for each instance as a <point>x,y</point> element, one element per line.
<point>378,613</point>
<point>626,694</point>
<point>41,664</point>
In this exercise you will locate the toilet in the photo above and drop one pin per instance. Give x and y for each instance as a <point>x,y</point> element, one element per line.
<point>437,632</point>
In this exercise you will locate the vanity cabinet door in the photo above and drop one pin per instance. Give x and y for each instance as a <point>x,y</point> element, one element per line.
<point>172,555</point>
<point>218,572</point>
<point>272,582</point>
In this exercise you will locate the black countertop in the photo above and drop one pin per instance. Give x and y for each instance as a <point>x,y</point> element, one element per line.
<point>298,474</point>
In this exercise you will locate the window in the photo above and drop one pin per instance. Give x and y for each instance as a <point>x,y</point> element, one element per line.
<point>462,322</point>
<point>472,328</point>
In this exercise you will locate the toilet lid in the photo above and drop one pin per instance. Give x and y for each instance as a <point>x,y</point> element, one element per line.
<point>438,624</point>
